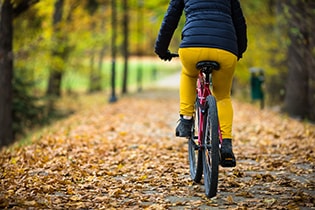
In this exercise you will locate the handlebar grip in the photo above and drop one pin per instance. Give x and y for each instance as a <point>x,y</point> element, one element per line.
<point>174,55</point>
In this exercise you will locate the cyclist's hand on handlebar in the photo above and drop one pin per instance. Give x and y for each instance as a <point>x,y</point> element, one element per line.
<point>167,56</point>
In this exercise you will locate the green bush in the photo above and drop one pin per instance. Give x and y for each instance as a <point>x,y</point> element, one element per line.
<point>27,112</point>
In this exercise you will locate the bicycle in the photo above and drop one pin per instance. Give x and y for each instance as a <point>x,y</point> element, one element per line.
<point>205,140</point>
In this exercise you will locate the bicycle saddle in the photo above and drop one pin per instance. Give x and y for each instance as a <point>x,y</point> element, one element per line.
<point>208,64</point>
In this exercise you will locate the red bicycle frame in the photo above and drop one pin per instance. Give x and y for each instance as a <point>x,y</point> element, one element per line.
<point>203,91</point>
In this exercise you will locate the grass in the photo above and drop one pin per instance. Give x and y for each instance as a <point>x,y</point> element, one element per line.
<point>76,79</point>
<point>150,69</point>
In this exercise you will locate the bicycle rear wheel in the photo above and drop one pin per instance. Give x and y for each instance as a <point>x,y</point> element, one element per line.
<point>194,151</point>
<point>210,151</point>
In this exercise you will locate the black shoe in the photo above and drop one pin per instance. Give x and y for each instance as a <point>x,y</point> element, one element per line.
<point>183,129</point>
<point>227,156</point>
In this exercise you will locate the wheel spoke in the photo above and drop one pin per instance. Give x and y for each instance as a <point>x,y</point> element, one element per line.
<point>194,145</point>
<point>194,152</point>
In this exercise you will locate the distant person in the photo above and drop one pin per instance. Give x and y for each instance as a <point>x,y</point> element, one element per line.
<point>214,30</point>
<point>256,81</point>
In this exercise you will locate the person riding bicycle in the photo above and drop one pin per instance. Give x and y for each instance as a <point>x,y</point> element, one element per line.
<point>214,30</point>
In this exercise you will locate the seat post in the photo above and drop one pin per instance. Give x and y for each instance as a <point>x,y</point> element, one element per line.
<point>207,73</point>
<point>207,67</point>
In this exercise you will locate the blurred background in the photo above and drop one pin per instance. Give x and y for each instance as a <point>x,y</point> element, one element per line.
<point>51,49</point>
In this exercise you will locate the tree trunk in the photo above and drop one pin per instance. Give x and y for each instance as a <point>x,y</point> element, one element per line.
<point>6,72</point>
<point>295,102</point>
<point>7,14</point>
<point>125,48</point>
<point>140,25</point>
<point>54,83</point>
<point>55,78</point>
<point>100,65</point>
<point>113,97</point>
<point>310,26</point>
<point>102,51</point>
<point>297,89</point>
<point>95,82</point>
<point>94,74</point>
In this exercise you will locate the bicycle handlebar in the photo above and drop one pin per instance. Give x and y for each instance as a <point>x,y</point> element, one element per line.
<point>174,55</point>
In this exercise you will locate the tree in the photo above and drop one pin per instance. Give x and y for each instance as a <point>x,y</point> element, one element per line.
<point>95,74</point>
<point>102,51</point>
<point>300,88</point>
<point>113,97</point>
<point>125,47</point>
<point>58,52</point>
<point>6,71</point>
<point>139,53</point>
<point>61,49</point>
<point>8,11</point>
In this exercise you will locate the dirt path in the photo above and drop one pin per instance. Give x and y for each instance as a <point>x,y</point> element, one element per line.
<point>125,156</point>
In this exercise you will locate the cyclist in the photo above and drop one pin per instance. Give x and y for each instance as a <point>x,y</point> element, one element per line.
<point>213,30</point>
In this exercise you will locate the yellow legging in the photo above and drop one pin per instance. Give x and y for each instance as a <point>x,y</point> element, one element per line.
<point>221,80</point>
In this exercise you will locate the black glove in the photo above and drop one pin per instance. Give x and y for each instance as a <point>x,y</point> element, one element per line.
<point>239,57</point>
<point>167,56</point>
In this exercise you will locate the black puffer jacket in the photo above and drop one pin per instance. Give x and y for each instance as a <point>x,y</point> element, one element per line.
<point>209,23</point>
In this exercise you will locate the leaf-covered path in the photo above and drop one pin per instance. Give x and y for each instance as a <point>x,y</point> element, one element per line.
<point>125,156</point>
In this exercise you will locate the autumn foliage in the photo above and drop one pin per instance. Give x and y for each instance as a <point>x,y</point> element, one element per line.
<point>125,155</point>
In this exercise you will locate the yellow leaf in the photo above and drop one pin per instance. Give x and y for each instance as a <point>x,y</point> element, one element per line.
<point>116,192</point>
<point>90,178</point>
<point>13,160</point>
<point>29,203</point>
<point>10,192</point>
<point>70,191</point>
<point>143,177</point>
<point>230,200</point>
<point>122,133</point>
<point>120,166</point>
<point>75,198</point>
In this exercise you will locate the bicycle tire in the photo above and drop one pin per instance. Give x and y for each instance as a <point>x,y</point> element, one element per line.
<point>194,151</point>
<point>210,151</point>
